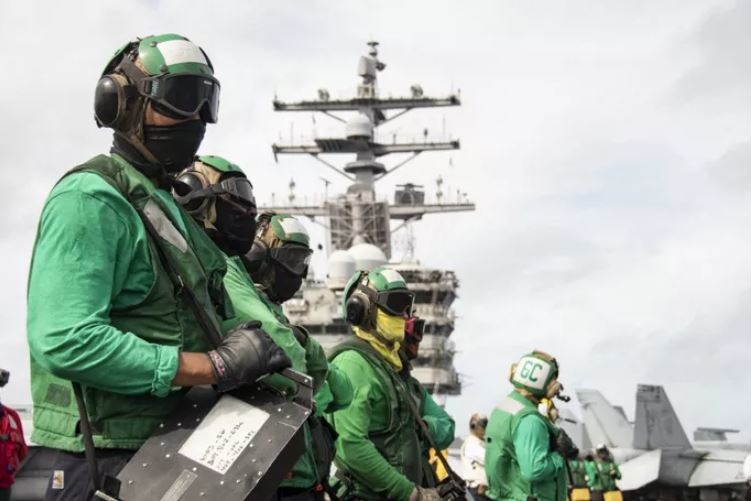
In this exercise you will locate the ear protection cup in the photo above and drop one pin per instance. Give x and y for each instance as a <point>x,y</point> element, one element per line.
<point>256,255</point>
<point>511,373</point>
<point>357,309</point>
<point>185,184</point>
<point>262,222</point>
<point>478,421</point>
<point>553,388</point>
<point>110,100</point>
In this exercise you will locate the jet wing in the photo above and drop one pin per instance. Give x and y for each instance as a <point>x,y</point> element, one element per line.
<point>720,467</point>
<point>640,471</point>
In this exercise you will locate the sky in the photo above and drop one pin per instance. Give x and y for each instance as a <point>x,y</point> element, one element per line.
<point>606,144</point>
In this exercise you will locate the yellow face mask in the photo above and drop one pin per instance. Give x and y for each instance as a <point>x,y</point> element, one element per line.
<point>391,329</point>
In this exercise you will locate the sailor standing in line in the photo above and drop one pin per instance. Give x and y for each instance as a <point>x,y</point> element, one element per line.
<point>378,447</point>
<point>218,195</point>
<point>107,326</point>
<point>525,451</point>
<point>441,422</point>
<point>472,457</point>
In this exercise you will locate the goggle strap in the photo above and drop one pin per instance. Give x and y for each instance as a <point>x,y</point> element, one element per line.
<point>133,73</point>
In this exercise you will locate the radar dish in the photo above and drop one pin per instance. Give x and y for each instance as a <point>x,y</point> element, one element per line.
<point>340,267</point>
<point>367,256</point>
<point>359,127</point>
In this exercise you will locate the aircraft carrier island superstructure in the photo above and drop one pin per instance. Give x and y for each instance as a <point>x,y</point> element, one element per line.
<point>359,221</point>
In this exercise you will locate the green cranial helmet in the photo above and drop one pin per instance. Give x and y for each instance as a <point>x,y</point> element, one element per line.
<point>537,374</point>
<point>281,229</point>
<point>221,164</point>
<point>168,71</point>
<point>280,239</point>
<point>381,287</point>
<point>211,176</point>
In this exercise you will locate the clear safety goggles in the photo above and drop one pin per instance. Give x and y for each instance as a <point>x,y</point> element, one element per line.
<point>183,95</point>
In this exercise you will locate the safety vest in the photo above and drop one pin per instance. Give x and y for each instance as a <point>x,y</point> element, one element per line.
<point>399,442</point>
<point>606,481</point>
<point>163,317</point>
<point>578,472</point>
<point>502,468</point>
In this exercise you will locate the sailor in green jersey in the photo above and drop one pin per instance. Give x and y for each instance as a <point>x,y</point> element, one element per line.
<point>103,309</point>
<point>216,192</point>
<point>594,479</point>
<point>378,449</point>
<point>278,262</point>
<point>525,451</point>
<point>440,424</point>
<point>603,472</point>
<point>578,473</point>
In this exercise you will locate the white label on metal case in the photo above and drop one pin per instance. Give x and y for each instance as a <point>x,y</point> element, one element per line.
<point>224,433</point>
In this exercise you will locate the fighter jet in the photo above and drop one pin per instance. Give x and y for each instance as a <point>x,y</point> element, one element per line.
<point>654,454</point>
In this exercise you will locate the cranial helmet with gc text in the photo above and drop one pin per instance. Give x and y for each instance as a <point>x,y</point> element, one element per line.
<point>537,374</point>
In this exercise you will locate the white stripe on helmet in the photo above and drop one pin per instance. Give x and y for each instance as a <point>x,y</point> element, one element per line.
<point>392,276</point>
<point>292,225</point>
<point>181,51</point>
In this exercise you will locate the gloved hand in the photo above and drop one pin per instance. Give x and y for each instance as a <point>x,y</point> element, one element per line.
<point>246,354</point>
<point>424,494</point>
<point>564,445</point>
<point>452,488</point>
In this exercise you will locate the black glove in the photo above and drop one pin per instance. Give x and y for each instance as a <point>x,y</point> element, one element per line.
<point>451,489</point>
<point>247,353</point>
<point>564,445</point>
<point>424,494</point>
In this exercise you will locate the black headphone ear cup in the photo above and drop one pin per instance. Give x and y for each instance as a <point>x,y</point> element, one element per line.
<point>186,183</point>
<point>357,309</point>
<point>256,256</point>
<point>110,100</point>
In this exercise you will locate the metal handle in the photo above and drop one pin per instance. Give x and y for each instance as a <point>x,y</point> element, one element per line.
<point>304,395</point>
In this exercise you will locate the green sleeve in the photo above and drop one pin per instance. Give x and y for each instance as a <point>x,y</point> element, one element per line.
<point>593,477</point>
<point>531,442</point>
<point>340,388</point>
<point>354,450</point>
<point>84,252</point>
<point>323,400</point>
<point>618,473</point>
<point>440,424</point>
<point>248,305</point>
<point>316,362</point>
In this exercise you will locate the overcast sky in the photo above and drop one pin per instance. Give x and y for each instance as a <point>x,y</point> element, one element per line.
<point>606,144</point>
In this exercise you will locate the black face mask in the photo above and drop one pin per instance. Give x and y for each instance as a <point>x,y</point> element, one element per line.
<point>235,227</point>
<point>174,146</point>
<point>285,284</point>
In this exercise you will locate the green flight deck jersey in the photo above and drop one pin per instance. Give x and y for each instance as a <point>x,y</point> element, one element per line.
<point>103,310</point>
<point>578,472</point>
<point>519,459</point>
<point>332,389</point>
<point>440,424</point>
<point>378,448</point>
<point>603,475</point>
